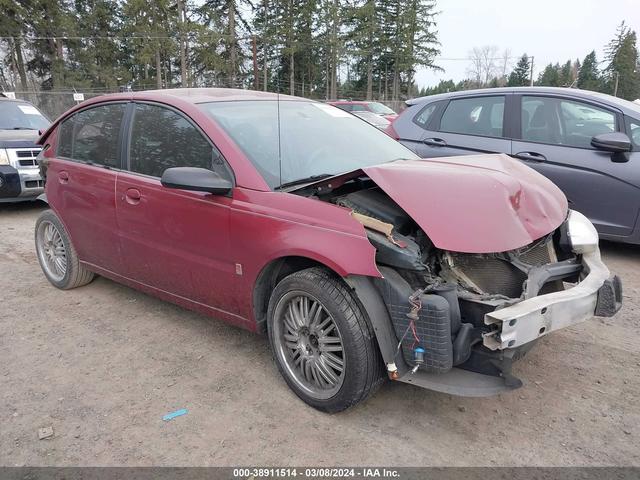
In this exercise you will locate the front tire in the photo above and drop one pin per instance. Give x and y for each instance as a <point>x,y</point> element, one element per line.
<point>58,259</point>
<point>322,342</point>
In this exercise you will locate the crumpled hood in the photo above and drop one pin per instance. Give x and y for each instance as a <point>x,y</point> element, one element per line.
<point>475,203</point>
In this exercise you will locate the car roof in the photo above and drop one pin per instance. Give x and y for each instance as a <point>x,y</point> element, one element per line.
<point>351,102</point>
<point>204,95</point>
<point>624,105</point>
<point>185,95</point>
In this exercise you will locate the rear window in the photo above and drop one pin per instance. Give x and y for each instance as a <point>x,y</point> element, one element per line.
<point>425,115</point>
<point>21,116</point>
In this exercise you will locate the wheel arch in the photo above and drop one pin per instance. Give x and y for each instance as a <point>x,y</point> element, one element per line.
<point>362,287</point>
<point>271,274</point>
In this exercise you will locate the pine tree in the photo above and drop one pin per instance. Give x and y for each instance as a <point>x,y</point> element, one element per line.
<point>363,37</point>
<point>589,76</point>
<point>224,25</point>
<point>419,38</point>
<point>146,29</point>
<point>12,23</point>
<point>519,77</point>
<point>265,37</point>
<point>407,40</point>
<point>623,64</point>
<point>50,22</point>
<point>301,47</point>
<point>550,76</point>
<point>566,75</point>
<point>96,60</point>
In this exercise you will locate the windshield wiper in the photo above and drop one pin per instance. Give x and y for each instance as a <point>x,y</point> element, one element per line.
<point>310,179</point>
<point>21,128</point>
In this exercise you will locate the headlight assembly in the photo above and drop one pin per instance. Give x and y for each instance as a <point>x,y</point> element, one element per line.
<point>583,236</point>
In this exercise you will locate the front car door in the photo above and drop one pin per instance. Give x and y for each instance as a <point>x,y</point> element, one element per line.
<point>465,125</point>
<point>555,139</point>
<point>632,127</point>
<point>174,241</point>
<point>81,180</point>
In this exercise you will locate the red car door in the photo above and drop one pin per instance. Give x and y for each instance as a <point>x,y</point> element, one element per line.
<point>175,241</point>
<point>81,180</point>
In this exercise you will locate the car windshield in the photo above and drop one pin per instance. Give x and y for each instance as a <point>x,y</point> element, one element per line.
<point>380,109</point>
<point>21,116</point>
<point>315,139</point>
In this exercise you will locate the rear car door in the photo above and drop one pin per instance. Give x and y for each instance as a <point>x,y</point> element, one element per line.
<point>466,125</point>
<point>81,181</point>
<point>555,135</point>
<point>173,240</point>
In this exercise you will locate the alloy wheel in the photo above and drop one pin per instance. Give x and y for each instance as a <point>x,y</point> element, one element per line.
<point>51,250</point>
<point>309,344</point>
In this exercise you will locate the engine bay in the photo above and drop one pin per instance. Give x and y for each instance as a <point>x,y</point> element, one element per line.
<point>437,299</point>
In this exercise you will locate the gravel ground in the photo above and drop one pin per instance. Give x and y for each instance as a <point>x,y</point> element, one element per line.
<point>102,364</point>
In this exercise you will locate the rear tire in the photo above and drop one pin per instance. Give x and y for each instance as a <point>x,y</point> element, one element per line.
<point>58,259</point>
<point>322,342</point>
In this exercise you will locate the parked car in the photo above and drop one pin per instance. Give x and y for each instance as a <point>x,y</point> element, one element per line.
<point>19,176</point>
<point>587,143</point>
<point>295,219</point>
<point>376,120</point>
<point>365,106</point>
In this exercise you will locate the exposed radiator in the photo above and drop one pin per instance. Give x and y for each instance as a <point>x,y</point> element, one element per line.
<point>489,274</point>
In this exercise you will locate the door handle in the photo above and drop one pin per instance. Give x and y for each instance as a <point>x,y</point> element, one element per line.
<point>132,196</point>
<point>531,156</point>
<point>63,177</point>
<point>435,142</point>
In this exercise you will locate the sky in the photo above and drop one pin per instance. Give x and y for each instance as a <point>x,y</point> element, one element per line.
<point>550,30</point>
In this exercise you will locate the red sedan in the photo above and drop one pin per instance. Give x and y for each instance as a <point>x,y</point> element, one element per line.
<point>295,219</point>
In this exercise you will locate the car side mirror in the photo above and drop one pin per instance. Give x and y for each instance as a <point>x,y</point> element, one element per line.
<point>615,142</point>
<point>196,179</point>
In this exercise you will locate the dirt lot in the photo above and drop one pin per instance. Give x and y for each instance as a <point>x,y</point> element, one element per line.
<point>102,364</point>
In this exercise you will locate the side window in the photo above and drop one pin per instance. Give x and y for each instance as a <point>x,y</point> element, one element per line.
<point>92,135</point>
<point>474,116</point>
<point>162,138</point>
<point>558,121</point>
<point>633,130</point>
<point>425,115</point>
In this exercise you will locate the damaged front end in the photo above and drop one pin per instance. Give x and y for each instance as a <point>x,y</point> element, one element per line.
<point>456,322</point>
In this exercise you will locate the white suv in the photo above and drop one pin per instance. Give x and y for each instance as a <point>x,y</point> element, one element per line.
<point>20,123</point>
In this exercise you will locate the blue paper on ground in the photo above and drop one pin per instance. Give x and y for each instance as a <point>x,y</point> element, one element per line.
<point>177,413</point>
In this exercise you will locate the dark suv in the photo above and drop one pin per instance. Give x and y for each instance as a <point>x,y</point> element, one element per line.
<point>587,143</point>
<point>19,125</point>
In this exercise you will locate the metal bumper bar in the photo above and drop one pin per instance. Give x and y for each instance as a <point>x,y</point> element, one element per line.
<point>596,294</point>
